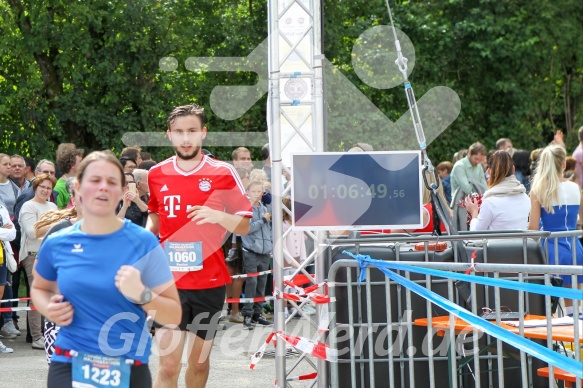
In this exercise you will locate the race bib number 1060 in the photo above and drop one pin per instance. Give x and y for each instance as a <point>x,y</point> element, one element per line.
<point>184,256</point>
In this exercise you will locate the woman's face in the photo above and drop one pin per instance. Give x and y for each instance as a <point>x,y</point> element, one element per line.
<point>101,188</point>
<point>44,190</point>
<point>5,167</point>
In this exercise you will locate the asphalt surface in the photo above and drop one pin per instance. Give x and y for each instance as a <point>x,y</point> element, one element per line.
<point>230,359</point>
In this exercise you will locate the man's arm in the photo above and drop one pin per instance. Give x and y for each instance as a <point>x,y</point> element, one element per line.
<point>232,222</point>
<point>153,223</point>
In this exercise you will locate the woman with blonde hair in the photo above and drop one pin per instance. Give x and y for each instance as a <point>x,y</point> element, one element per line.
<point>556,203</point>
<point>505,204</point>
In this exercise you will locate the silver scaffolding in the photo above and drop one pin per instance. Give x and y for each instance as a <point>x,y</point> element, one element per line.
<point>295,118</point>
<point>512,256</point>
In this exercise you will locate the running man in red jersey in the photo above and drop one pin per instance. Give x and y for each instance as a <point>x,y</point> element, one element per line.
<point>194,201</point>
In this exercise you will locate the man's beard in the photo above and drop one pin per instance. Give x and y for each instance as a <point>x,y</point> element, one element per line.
<point>185,156</point>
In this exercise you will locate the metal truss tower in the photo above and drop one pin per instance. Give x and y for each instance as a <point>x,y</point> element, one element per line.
<point>296,124</point>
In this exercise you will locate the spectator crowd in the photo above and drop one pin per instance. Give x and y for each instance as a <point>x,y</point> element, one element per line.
<point>219,214</point>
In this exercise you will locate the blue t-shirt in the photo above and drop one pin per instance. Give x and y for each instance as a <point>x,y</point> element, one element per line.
<point>84,267</point>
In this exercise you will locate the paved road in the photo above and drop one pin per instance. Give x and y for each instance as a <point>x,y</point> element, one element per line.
<point>27,367</point>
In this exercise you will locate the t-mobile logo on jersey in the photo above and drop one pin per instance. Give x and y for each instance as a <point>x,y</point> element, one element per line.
<point>171,203</point>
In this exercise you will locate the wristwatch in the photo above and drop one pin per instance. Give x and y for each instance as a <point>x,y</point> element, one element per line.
<point>146,296</point>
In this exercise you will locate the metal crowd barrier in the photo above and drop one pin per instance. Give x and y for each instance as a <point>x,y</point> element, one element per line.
<point>375,324</point>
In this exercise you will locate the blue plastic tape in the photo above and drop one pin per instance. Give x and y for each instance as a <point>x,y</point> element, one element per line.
<point>562,292</point>
<point>558,360</point>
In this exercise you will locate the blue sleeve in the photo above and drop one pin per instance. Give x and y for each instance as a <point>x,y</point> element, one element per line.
<point>153,266</point>
<point>44,263</point>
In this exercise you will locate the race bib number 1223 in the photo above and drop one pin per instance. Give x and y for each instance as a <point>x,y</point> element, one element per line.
<point>97,371</point>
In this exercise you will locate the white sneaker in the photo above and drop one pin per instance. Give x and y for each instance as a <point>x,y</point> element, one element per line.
<point>309,310</point>
<point>38,343</point>
<point>6,335</point>
<point>5,349</point>
<point>10,329</point>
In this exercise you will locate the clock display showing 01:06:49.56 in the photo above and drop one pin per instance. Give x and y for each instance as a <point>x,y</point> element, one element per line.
<point>354,191</point>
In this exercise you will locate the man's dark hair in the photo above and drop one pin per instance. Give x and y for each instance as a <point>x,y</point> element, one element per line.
<point>147,165</point>
<point>502,142</point>
<point>477,148</point>
<point>521,160</point>
<point>67,160</point>
<point>145,155</point>
<point>131,153</point>
<point>187,110</point>
<point>125,159</point>
<point>30,163</point>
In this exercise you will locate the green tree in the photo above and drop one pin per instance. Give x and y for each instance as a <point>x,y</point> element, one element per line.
<point>88,72</point>
<point>517,66</point>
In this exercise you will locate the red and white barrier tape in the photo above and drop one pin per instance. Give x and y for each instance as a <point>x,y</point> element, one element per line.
<point>300,290</point>
<point>11,309</point>
<point>258,355</point>
<point>317,349</point>
<point>323,317</point>
<point>309,376</point>
<point>473,263</point>
<point>251,275</point>
<point>254,274</point>
<point>304,345</point>
<point>311,297</point>
<point>249,300</point>
<point>14,300</point>
<point>300,279</point>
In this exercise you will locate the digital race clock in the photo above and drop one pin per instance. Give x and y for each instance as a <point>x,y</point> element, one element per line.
<point>357,190</point>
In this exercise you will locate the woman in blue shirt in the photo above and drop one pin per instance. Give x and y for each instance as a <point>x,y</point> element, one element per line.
<point>96,279</point>
<point>556,204</point>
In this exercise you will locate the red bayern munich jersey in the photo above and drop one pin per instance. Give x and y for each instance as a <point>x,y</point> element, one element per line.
<point>212,183</point>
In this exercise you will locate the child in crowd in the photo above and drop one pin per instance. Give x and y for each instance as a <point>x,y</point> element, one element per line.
<point>257,249</point>
<point>294,243</point>
<point>260,175</point>
<point>443,170</point>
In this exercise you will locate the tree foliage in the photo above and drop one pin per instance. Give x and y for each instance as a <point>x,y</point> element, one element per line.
<point>516,65</point>
<point>87,72</point>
